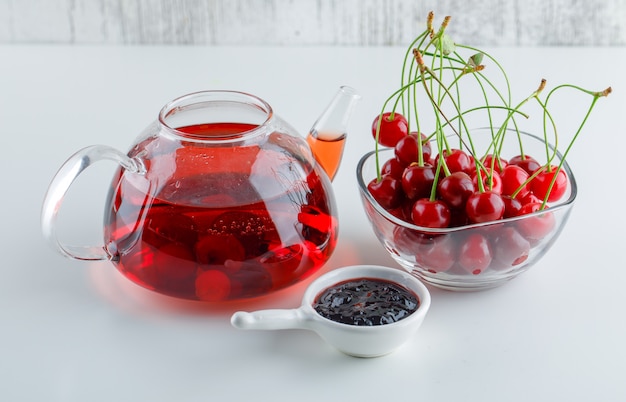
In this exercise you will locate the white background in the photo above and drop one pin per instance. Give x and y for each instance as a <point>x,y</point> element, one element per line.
<point>75,331</point>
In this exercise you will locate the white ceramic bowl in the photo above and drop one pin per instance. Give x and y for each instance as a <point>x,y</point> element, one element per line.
<point>359,341</point>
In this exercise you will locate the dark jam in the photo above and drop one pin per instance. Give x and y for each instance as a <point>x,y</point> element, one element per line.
<point>366,302</point>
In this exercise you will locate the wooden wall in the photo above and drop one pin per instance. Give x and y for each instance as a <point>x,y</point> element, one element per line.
<point>311,22</point>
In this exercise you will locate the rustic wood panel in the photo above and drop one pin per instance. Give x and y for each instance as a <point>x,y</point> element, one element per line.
<point>311,22</point>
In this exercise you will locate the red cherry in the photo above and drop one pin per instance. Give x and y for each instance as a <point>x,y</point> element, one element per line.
<point>458,217</point>
<point>313,218</point>
<point>472,165</point>
<point>393,168</point>
<point>510,248</point>
<point>407,206</point>
<point>457,161</point>
<point>426,148</point>
<point>387,192</point>
<point>491,180</point>
<point>213,285</point>
<point>541,184</point>
<point>437,254</point>
<point>399,213</point>
<point>512,206</point>
<point>456,189</point>
<point>406,150</point>
<point>529,199</point>
<point>513,177</point>
<point>393,127</point>
<point>216,249</point>
<point>497,164</point>
<point>526,162</point>
<point>531,207</point>
<point>409,241</point>
<point>536,227</point>
<point>175,264</point>
<point>484,207</point>
<point>430,214</point>
<point>475,254</point>
<point>417,181</point>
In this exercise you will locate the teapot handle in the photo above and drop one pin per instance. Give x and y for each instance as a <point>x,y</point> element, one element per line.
<point>61,183</point>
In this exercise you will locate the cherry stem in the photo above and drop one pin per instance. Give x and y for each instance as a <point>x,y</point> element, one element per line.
<point>548,115</point>
<point>493,59</point>
<point>498,140</point>
<point>478,108</point>
<point>396,95</point>
<point>596,96</point>
<point>433,189</point>
<point>445,61</point>
<point>429,22</point>
<point>421,39</point>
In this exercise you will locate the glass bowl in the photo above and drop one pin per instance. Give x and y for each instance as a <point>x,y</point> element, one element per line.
<point>434,255</point>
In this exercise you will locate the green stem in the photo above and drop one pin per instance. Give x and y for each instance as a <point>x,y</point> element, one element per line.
<point>506,77</point>
<point>396,95</point>
<point>596,96</point>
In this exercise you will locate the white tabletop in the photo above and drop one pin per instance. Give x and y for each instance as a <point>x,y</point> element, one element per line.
<point>77,331</point>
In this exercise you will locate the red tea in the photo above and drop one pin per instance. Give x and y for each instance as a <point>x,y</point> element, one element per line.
<point>230,225</point>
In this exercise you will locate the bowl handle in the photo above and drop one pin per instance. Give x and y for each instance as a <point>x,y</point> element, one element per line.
<point>269,319</point>
<point>61,183</point>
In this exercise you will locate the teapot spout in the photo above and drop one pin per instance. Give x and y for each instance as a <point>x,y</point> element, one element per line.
<point>328,135</point>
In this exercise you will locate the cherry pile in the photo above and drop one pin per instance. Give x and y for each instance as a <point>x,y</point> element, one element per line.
<point>440,181</point>
<point>413,186</point>
<point>416,190</point>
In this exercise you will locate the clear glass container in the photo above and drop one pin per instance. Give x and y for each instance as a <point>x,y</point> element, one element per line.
<point>515,244</point>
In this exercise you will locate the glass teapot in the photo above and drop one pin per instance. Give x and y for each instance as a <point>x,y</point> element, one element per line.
<point>218,199</point>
